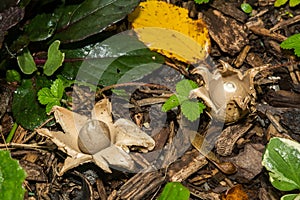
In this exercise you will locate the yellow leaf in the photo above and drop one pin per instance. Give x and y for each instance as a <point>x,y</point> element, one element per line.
<point>167,29</point>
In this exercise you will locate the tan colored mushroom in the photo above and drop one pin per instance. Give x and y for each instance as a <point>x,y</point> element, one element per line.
<point>229,93</point>
<point>98,139</point>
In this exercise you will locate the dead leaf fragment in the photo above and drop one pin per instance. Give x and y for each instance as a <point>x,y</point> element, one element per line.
<point>9,18</point>
<point>236,193</point>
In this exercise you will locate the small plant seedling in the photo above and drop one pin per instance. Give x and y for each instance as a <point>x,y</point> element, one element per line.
<point>201,1</point>
<point>292,3</point>
<point>54,61</point>
<point>174,191</point>
<point>191,109</point>
<point>247,8</point>
<point>282,160</point>
<point>53,96</point>
<point>11,177</point>
<point>292,42</point>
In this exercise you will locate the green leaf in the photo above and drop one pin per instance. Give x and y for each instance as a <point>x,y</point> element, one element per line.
<point>57,88</point>
<point>13,75</point>
<point>90,17</point>
<point>279,3</point>
<point>172,102</point>
<point>182,98</point>
<point>26,62</point>
<point>45,96</point>
<point>281,158</point>
<point>201,107</point>
<point>66,82</point>
<point>26,109</point>
<point>184,87</point>
<point>52,96</point>
<point>55,58</point>
<point>294,3</point>
<point>19,44</point>
<point>247,8</point>
<point>292,42</point>
<point>11,177</point>
<point>290,197</point>
<point>120,58</point>
<point>41,27</point>
<point>73,61</point>
<point>132,66</point>
<point>201,1</point>
<point>174,191</point>
<point>191,110</point>
<point>51,104</point>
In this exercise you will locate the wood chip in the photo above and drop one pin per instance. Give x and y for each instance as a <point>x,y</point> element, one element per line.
<point>241,57</point>
<point>141,185</point>
<point>229,136</point>
<point>285,23</point>
<point>248,162</point>
<point>254,60</point>
<point>231,9</point>
<point>226,32</point>
<point>189,163</point>
<point>34,172</point>
<point>267,33</point>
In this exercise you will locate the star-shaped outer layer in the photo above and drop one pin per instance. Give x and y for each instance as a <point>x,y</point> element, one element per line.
<point>227,91</point>
<point>123,134</point>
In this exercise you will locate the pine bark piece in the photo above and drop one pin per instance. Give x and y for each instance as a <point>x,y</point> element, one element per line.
<point>283,98</point>
<point>34,172</point>
<point>248,162</point>
<point>141,185</point>
<point>289,117</point>
<point>226,32</point>
<point>231,9</point>
<point>190,163</point>
<point>229,136</point>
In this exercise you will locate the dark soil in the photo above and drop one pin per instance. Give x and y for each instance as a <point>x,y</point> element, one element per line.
<point>244,41</point>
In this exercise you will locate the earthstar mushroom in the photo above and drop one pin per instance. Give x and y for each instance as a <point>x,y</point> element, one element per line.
<point>227,91</point>
<point>98,139</point>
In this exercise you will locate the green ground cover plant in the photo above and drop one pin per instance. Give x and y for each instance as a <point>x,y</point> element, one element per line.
<point>201,1</point>
<point>292,3</point>
<point>282,160</point>
<point>174,191</point>
<point>51,48</point>
<point>11,177</point>
<point>247,8</point>
<point>292,42</point>
<point>191,109</point>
